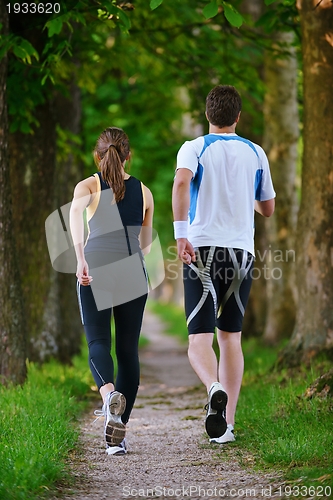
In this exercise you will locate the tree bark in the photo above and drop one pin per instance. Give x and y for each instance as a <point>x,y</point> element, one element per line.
<point>313,332</point>
<point>256,310</point>
<point>280,142</point>
<point>42,183</point>
<point>12,321</point>
<point>69,172</point>
<point>32,163</point>
<point>45,184</point>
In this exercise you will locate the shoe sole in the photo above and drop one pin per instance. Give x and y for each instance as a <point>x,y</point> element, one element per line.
<point>115,429</point>
<point>118,451</point>
<point>215,423</point>
<point>226,441</point>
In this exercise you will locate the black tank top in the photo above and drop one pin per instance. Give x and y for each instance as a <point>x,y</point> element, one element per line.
<point>115,227</point>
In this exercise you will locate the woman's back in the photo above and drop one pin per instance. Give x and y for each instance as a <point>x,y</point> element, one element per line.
<point>115,227</point>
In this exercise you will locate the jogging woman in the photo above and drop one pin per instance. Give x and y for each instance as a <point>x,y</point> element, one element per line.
<point>119,211</point>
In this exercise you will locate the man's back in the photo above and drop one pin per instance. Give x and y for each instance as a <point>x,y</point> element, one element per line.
<point>229,173</point>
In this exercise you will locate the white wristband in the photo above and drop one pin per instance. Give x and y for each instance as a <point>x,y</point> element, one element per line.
<point>180,229</point>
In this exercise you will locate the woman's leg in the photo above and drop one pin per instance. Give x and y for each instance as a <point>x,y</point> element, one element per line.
<point>98,334</point>
<point>128,322</point>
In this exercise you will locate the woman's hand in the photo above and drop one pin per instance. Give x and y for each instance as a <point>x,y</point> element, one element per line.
<point>82,273</point>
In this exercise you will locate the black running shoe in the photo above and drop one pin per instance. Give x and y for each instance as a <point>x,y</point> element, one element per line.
<point>215,422</point>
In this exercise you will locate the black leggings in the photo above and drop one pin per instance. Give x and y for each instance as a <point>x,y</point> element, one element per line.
<point>97,326</point>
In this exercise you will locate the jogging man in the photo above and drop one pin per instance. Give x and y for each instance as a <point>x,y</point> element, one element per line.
<point>220,180</point>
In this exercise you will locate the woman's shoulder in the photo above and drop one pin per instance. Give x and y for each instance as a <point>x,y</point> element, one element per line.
<point>147,195</point>
<point>89,182</point>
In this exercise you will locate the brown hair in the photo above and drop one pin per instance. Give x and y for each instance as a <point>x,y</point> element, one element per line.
<point>111,150</point>
<point>223,105</point>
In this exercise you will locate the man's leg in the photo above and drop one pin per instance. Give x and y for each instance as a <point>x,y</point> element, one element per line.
<point>200,316</point>
<point>203,360</point>
<point>231,368</point>
<point>233,296</point>
<point>202,357</point>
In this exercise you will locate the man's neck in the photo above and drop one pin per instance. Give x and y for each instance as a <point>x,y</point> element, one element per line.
<point>213,129</point>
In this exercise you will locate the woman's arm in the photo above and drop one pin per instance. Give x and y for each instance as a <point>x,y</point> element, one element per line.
<point>81,200</point>
<point>147,225</point>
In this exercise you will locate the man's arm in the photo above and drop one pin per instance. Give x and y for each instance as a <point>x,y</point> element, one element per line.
<point>180,207</point>
<point>265,208</point>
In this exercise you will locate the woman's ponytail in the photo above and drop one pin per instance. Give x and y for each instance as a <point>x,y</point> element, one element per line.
<point>112,149</point>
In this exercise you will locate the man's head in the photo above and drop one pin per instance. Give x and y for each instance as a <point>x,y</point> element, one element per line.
<point>223,105</point>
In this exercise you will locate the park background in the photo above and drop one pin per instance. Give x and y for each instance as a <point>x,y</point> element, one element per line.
<point>147,67</point>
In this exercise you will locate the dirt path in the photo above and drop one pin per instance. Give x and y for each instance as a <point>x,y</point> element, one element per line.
<point>169,455</point>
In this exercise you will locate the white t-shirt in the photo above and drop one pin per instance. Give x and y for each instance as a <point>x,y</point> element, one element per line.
<point>229,173</point>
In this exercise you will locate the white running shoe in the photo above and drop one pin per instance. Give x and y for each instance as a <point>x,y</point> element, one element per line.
<point>227,437</point>
<point>113,408</point>
<point>120,449</point>
<point>215,422</point>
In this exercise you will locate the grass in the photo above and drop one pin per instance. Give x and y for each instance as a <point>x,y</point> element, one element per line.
<point>286,429</point>
<point>276,424</point>
<point>38,427</point>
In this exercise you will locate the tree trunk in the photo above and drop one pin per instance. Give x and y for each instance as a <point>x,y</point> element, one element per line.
<point>32,163</point>
<point>256,310</point>
<point>313,332</point>
<point>45,184</point>
<point>41,184</point>
<point>280,143</point>
<point>12,331</point>
<point>69,172</point>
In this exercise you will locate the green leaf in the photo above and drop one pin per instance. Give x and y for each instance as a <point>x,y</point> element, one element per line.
<point>25,127</point>
<point>268,2</point>
<point>54,26</point>
<point>211,9</point>
<point>80,18</point>
<point>232,15</point>
<point>155,3</point>
<point>45,77</point>
<point>30,49</point>
<point>19,52</point>
<point>110,7</point>
<point>125,20</point>
<point>267,20</point>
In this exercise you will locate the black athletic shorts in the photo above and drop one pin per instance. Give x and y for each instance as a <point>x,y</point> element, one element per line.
<point>217,288</point>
